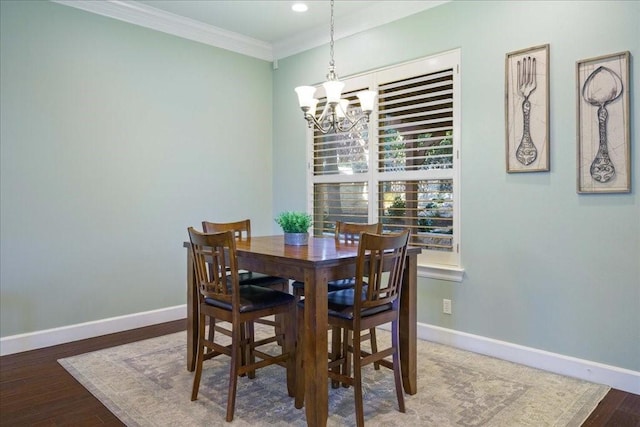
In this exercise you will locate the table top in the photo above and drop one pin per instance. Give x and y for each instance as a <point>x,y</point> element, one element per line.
<point>318,250</point>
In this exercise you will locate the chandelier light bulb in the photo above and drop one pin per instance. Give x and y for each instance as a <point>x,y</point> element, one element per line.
<point>367,97</point>
<point>305,95</point>
<point>333,90</point>
<point>341,109</point>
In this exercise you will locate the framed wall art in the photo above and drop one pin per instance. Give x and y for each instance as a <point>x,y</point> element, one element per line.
<point>527,109</point>
<point>603,124</point>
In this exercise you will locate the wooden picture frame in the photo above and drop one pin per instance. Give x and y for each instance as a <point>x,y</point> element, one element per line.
<point>603,124</point>
<point>527,109</point>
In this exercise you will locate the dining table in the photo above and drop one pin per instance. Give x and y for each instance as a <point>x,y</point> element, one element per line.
<point>323,259</point>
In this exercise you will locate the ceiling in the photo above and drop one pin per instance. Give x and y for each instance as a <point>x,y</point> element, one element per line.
<point>264,29</point>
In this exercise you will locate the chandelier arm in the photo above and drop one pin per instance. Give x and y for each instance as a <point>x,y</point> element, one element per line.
<point>350,120</point>
<point>313,122</point>
<point>326,112</point>
<point>352,123</point>
<point>329,120</point>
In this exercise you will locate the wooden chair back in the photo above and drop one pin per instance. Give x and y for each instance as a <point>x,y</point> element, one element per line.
<point>215,265</point>
<point>381,259</point>
<point>349,232</point>
<point>241,229</point>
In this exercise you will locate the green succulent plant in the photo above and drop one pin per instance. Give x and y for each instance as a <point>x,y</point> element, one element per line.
<point>294,222</point>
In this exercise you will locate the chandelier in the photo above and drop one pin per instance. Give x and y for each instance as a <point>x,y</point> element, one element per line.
<point>335,116</point>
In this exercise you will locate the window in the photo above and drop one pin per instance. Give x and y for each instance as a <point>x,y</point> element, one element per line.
<point>402,169</point>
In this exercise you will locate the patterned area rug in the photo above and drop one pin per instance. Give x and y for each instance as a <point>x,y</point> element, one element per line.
<point>147,384</point>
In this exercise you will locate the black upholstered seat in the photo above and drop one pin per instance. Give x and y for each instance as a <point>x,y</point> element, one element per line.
<point>333,285</point>
<point>259,279</point>
<point>252,298</point>
<point>341,304</point>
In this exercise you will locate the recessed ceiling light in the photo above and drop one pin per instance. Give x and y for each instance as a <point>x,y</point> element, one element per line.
<point>299,7</point>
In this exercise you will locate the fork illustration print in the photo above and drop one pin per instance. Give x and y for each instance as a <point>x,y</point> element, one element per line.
<point>526,152</point>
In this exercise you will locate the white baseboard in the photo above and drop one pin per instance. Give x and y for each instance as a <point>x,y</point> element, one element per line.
<point>40,339</point>
<point>619,378</point>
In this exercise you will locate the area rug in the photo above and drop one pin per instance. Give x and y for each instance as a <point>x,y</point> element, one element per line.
<point>146,383</point>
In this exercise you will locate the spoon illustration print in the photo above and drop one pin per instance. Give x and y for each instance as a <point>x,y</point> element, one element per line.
<point>602,87</point>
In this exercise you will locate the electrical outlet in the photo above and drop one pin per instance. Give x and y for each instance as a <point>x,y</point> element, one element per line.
<point>446,306</point>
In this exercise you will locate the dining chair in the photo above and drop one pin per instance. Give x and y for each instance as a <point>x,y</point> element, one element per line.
<point>221,297</point>
<point>242,231</point>
<point>381,259</point>
<point>348,232</point>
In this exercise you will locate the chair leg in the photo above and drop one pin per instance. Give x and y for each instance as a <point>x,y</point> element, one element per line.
<point>347,340</point>
<point>299,400</point>
<point>249,337</point>
<point>212,327</point>
<point>199,358</point>
<point>285,287</point>
<point>395,342</point>
<point>289,341</point>
<point>279,319</point>
<point>374,346</point>
<point>234,366</point>
<point>336,352</point>
<point>357,379</point>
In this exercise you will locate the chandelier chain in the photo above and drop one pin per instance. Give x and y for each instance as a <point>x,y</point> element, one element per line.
<point>331,62</point>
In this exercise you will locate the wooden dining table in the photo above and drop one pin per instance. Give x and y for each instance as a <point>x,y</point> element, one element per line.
<point>322,260</point>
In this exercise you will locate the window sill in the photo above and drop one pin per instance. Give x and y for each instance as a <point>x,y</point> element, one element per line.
<point>442,272</point>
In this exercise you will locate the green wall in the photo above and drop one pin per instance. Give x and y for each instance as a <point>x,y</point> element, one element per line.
<point>544,267</point>
<point>115,139</point>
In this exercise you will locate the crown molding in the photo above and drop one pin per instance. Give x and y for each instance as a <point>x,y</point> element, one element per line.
<point>155,19</point>
<point>379,13</point>
<point>149,17</point>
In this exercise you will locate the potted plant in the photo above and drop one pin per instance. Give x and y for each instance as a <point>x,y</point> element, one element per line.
<point>295,226</point>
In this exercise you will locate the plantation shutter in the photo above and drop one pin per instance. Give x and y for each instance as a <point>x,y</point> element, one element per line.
<point>401,168</point>
<point>415,158</point>
<point>341,174</point>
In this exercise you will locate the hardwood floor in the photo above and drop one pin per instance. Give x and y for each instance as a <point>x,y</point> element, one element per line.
<point>36,391</point>
<point>616,409</point>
